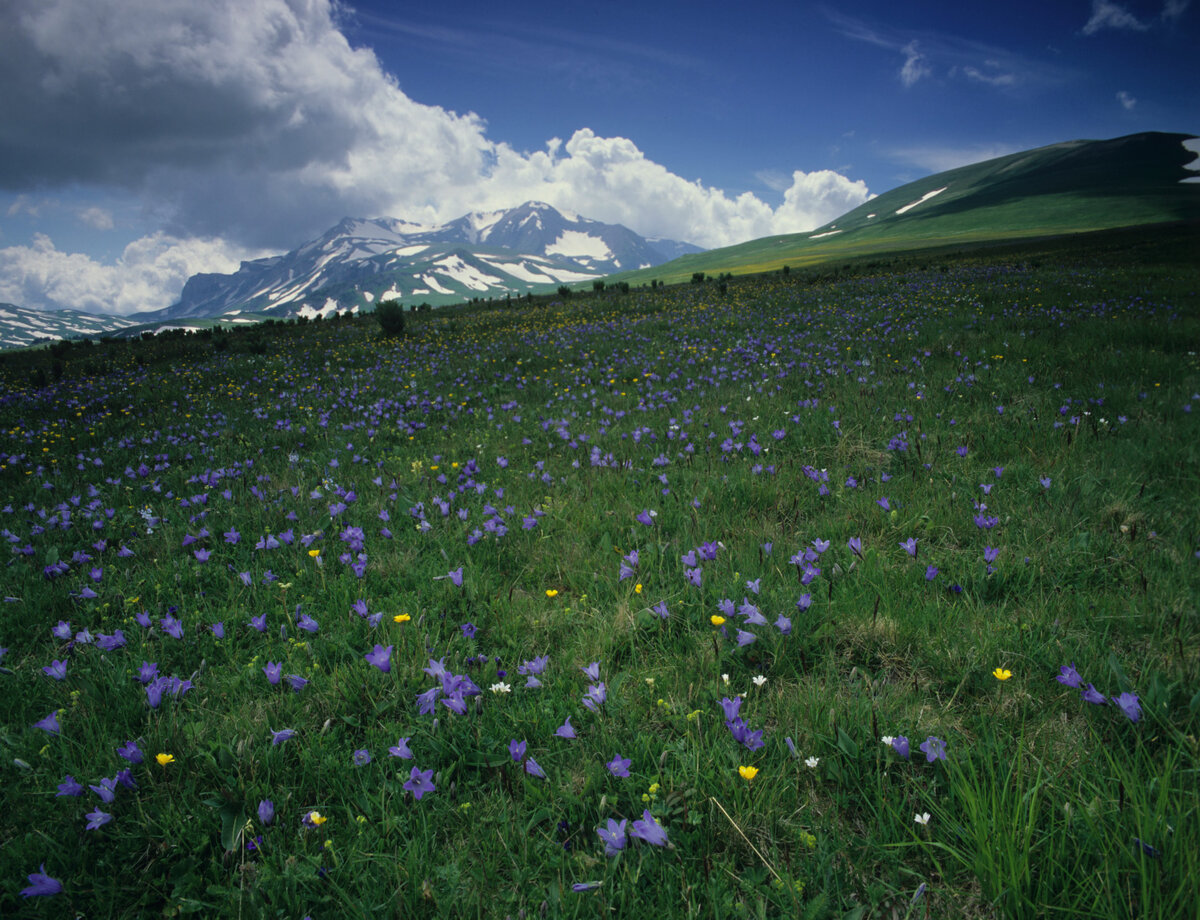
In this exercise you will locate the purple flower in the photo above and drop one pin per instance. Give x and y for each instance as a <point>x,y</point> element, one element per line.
<point>468,630</point>
<point>109,643</point>
<point>613,837</point>
<point>129,750</point>
<point>592,671</point>
<point>619,766</point>
<point>266,811</point>
<point>62,630</point>
<point>201,555</point>
<point>661,609</point>
<point>218,630</point>
<point>1129,705</point>
<point>990,553</point>
<point>884,503</point>
<point>296,682</point>
<point>910,546</point>
<point>784,625</point>
<point>745,638</point>
<point>1069,677</point>
<point>274,672</point>
<point>595,696</point>
<point>147,672</point>
<point>516,750</point>
<point>362,757</point>
<point>97,819</point>
<point>646,517</point>
<point>41,885</point>
<point>172,627</point>
<point>56,669</point>
<point>49,724</point>
<point>934,748</point>
<point>566,730</point>
<point>532,768</point>
<point>381,657</point>
<point>931,572</point>
<point>69,787</point>
<point>731,707</point>
<point>419,782</point>
<point>586,886</point>
<point>1090,694</point>
<point>900,746</point>
<point>400,749</point>
<point>456,579</point>
<point>307,623</point>
<point>695,576</point>
<point>106,790</point>
<point>278,737</point>
<point>649,830</point>
<point>855,546</point>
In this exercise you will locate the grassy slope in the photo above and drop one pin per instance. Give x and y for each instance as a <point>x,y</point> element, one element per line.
<point>1073,187</point>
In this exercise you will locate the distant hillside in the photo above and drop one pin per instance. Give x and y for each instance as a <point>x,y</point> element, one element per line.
<point>20,326</point>
<point>1071,187</point>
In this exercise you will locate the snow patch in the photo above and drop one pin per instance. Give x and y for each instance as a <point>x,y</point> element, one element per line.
<point>433,284</point>
<point>817,236</point>
<point>467,275</point>
<point>1192,145</point>
<point>409,250</point>
<point>922,199</point>
<point>869,216</point>
<point>521,271</point>
<point>574,245</point>
<point>389,295</point>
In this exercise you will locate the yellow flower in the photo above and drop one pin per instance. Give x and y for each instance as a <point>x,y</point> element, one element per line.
<point>551,592</point>
<point>314,553</point>
<point>164,759</point>
<point>716,619</point>
<point>401,618</point>
<point>1002,674</point>
<point>637,589</point>
<point>748,773</point>
<point>317,818</point>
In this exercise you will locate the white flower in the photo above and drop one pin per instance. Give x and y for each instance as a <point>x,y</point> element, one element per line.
<point>725,678</point>
<point>501,688</point>
<point>887,739</point>
<point>812,762</point>
<point>759,680</point>
<point>922,819</point>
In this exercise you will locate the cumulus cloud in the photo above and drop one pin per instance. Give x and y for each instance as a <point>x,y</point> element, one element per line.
<point>96,218</point>
<point>256,122</point>
<point>148,276</point>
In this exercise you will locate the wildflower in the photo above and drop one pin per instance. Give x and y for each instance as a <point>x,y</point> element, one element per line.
<point>274,672</point>
<point>532,768</point>
<point>661,609</point>
<point>69,787</point>
<point>381,657</point>
<point>716,619</point>
<point>97,819</point>
<point>900,746</point>
<point>855,546</point>
<point>934,748</point>
<point>315,819</point>
<point>812,762</point>
<point>922,819</point>
<point>56,669</point>
<point>164,759</point>
<point>647,518</point>
<point>758,681</point>
<point>401,618</point>
<point>1128,702</point>
<point>401,750</point>
<point>745,638</point>
<point>49,724</point>
<point>500,687</point>
<point>931,572</point>
<point>910,546</point>
<point>783,624</point>
<point>278,737</point>
<point>41,885</point>
<point>619,766</point>
<point>566,730</point>
<point>296,682</point>
<point>1002,674</point>
<point>748,773</point>
<point>613,837</point>
<point>1069,677</point>
<point>551,592</point>
<point>1090,694</point>
<point>649,830</point>
<point>266,811</point>
<point>129,750</point>
<point>419,783</point>
<point>586,886</point>
<point>362,757</point>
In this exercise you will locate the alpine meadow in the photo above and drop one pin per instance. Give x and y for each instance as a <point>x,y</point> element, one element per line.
<point>859,589</point>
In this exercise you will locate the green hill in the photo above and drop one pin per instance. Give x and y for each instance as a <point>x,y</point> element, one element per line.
<point>1072,187</point>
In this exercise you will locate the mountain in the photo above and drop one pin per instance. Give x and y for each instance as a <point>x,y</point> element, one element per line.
<point>1072,187</point>
<point>532,247</point>
<point>20,326</point>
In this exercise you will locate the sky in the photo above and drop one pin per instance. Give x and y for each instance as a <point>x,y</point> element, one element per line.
<point>143,141</point>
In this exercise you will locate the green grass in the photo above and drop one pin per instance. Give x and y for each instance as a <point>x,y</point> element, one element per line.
<point>579,416</point>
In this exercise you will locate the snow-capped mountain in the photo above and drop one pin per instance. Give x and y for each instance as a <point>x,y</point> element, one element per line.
<point>20,326</point>
<point>361,262</point>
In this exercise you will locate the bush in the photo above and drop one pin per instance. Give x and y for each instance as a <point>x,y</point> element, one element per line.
<point>390,316</point>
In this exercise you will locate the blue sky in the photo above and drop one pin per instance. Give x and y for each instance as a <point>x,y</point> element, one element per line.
<point>142,141</point>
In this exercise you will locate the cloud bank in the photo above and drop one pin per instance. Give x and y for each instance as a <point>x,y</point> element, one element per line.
<point>254,124</point>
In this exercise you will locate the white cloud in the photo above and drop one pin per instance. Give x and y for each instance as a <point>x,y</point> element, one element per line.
<point>148,276</point>
<point>994,76</point>
<point>96,218</point>
<point>1173,9</point>
<point>253,124</point>
<point>1127,101</point>
<point>1109,15</point>
<point>915,65</point>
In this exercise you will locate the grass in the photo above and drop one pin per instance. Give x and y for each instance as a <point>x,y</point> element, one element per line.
<point>768,453</point>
